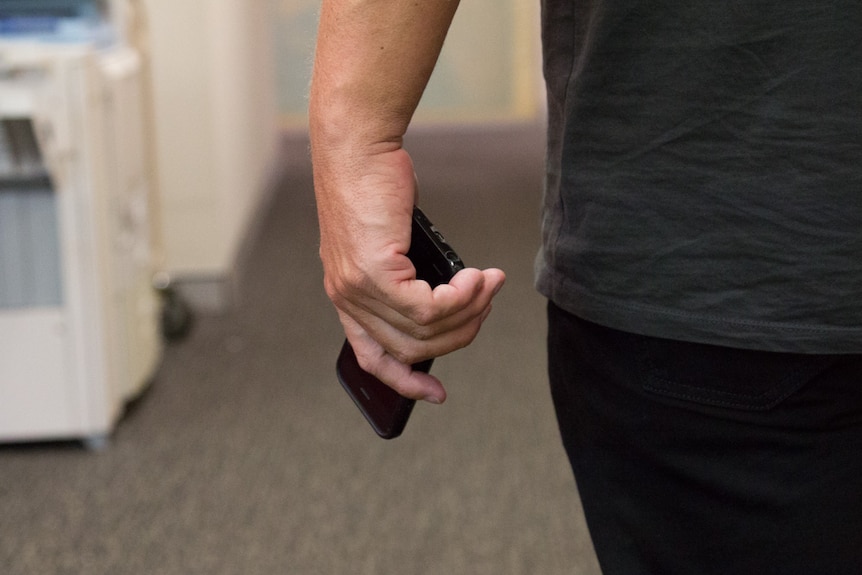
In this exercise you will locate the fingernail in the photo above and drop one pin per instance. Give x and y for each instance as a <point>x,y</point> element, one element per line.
<point>433,399</point>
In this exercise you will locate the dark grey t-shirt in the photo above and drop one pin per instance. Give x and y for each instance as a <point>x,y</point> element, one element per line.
<point>704,177</point>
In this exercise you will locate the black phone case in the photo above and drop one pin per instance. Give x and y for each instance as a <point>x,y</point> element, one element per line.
<point>387,411</point>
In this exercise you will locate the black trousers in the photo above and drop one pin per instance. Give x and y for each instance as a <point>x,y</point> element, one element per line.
<point>693,459</point>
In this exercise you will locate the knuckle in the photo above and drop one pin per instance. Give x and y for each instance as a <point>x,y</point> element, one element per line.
<point>467,335</point>
<point>365,361</point>
<point>420,332</point>
<point>403,355</point>
<point>423,318</point>
<point>340,286</point>
<point>332,288</point>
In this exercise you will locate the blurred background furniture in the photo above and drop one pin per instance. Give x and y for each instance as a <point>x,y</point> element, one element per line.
<point>79,333</point>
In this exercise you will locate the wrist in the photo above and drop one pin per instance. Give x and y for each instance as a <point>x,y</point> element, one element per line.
<point>349,129</point>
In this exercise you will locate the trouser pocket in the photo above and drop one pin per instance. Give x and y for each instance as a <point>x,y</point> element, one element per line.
<point>724,377</point>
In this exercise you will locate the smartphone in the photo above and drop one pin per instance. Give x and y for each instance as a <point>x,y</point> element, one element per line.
<point>387,411</point>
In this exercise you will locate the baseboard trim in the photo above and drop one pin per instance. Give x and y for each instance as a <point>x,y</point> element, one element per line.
<point>207,293</point>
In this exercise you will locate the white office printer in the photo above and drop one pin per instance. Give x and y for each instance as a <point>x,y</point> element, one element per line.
<point>79,333</point>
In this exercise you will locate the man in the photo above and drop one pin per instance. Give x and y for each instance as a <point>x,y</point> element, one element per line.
<point>702,257</point>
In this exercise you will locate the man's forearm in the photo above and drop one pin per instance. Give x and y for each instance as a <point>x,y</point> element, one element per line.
<point>373,60</point>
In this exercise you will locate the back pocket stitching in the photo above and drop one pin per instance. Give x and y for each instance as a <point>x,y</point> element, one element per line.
<point>795,379</point>
<point>713,396</point>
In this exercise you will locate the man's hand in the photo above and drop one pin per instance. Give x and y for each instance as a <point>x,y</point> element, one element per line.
<point>392,319</point>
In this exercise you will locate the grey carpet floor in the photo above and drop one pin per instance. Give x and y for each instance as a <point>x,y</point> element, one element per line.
<point>244,456</point>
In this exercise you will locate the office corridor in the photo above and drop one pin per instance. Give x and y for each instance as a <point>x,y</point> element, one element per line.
<point>245,456</point>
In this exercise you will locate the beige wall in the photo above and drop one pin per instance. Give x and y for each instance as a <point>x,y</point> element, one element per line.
<point>215,127</point>
<point>488,71</point>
